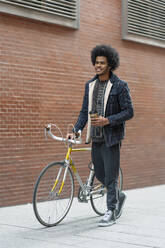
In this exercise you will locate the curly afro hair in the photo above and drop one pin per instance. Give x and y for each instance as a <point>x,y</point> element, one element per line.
<point>107,51</point>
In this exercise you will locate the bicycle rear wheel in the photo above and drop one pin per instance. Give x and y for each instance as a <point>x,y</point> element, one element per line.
<point>49,204</point>
<point>98,197</point>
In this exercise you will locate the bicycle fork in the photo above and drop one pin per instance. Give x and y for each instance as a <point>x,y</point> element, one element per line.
<point>58,176</point>
<point>67,162</point>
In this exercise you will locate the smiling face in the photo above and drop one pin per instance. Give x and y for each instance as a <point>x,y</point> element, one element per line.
<point>101,67</point>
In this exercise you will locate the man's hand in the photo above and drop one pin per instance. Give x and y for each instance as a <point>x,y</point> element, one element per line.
<point>70,136</point>
<point>99,121</point>
<point>73,136</point>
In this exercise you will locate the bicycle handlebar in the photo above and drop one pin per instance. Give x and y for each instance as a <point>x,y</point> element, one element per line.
<point>74,141</point>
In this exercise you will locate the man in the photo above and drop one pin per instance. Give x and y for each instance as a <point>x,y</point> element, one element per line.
<point>109,99</point>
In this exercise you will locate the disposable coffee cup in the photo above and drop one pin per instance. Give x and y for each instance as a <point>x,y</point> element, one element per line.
<point>93,114</point>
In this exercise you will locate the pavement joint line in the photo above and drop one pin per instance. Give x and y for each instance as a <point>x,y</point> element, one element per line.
<point>131,234</point>
<point>126,224</point>
<point>122,242</point>
<point>50,241</point>
<point>43,240</point>
<point>10,225</point>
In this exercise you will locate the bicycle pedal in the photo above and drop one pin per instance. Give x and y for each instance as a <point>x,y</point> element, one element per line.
<point>82,201</point>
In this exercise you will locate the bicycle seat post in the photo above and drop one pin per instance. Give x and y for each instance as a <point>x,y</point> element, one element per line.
<point>89,179</point>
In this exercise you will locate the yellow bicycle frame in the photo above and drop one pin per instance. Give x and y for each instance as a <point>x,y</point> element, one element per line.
<point>68,162</point>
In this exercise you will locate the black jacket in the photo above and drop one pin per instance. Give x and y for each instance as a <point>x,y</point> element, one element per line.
<point>118,109</point>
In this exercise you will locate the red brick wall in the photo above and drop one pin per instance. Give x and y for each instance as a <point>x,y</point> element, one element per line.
<point>43,69</point>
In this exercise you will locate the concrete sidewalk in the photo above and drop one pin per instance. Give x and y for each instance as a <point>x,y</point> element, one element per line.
<point>141,225</point>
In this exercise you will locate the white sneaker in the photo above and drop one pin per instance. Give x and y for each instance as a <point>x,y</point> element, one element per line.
<point>108,219</point>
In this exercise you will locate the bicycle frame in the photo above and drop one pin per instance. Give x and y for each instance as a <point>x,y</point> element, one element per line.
<point>69,162</point>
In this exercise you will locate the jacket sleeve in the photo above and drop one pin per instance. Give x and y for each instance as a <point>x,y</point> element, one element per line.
<point>83,116</point>
<point>126,107</point>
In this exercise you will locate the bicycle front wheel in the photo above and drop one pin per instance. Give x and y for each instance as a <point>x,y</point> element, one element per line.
<point>98,196</point>
<point>52,197</point>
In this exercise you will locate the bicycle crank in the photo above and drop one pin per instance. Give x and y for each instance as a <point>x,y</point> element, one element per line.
<point>82,197</point>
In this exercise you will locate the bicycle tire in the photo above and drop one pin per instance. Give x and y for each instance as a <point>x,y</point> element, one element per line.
<point>49,206</point>
<point>99,200</point>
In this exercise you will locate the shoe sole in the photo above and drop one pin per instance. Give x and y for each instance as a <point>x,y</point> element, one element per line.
<point>105,225</point>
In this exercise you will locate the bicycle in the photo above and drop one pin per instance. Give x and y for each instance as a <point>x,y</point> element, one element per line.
<point>54,188</point>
